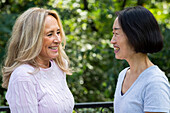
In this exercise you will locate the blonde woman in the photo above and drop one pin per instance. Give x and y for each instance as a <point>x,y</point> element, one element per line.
<point>36,65</point>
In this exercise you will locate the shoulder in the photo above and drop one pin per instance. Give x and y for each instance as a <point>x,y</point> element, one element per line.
<point>156,90</point>
<point>23,69</point>
<point>155,74</point>
<point>156,81</point>
<point>22,73</point>
<point>56,68</point>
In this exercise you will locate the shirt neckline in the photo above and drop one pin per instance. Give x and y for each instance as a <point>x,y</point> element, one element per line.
<point>45,69</point>
<point>135,82</point>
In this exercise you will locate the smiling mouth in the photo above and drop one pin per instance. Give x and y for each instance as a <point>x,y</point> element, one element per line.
<point>116,49</point>
<point>53,48</point>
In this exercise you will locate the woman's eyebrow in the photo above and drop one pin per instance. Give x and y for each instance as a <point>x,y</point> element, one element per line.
<point>117,28</point>
<point>53,31</point>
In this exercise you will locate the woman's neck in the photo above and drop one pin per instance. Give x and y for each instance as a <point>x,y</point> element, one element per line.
<point>43,63</point>
<point>139,62</point>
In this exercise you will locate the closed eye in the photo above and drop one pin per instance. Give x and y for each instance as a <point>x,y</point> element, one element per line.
<point>49,34</point>
<point>58,32</point>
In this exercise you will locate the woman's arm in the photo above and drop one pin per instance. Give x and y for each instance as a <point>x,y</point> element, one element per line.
<point>157,97</point>
<point>22,96</point>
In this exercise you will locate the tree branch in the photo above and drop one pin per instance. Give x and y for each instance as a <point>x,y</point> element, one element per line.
<point>85,5</point>
<point>124,3</point>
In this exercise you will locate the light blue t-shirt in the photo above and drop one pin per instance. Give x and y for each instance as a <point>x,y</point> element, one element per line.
<point>149,93</point>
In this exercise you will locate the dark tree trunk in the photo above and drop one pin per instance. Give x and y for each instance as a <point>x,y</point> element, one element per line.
<point>85,5</point>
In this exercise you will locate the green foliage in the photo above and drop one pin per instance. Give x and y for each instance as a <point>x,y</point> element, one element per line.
<point>88,28</point>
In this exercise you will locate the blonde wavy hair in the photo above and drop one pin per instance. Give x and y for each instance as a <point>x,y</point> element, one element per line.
<point>26,42</point>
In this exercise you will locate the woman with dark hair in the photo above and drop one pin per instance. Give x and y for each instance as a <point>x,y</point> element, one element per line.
<point>142,87</point>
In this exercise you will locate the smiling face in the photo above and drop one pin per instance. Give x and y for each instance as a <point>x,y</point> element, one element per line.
<point>122,48</point>
<point>51,40</point>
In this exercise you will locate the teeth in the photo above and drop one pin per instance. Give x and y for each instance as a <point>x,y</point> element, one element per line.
<point>53,48</point>
<point>116,49</point>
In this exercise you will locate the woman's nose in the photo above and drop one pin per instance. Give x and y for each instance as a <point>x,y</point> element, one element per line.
<point>113,41</point>
<point>57,39</point>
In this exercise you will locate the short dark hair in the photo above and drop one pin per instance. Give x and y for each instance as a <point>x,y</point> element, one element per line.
<point>141,29</point>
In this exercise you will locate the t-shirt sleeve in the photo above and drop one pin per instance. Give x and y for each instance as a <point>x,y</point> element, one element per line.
<point>157,96</point>
<point>21,95</point>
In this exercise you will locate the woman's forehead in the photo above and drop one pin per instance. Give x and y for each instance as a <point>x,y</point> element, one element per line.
<point>116,25</point>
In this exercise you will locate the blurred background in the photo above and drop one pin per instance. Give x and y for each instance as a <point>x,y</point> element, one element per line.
<point>88,28</point>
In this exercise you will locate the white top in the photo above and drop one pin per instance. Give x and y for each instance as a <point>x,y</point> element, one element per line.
<point>42,92</point>
<point>149,93</point>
